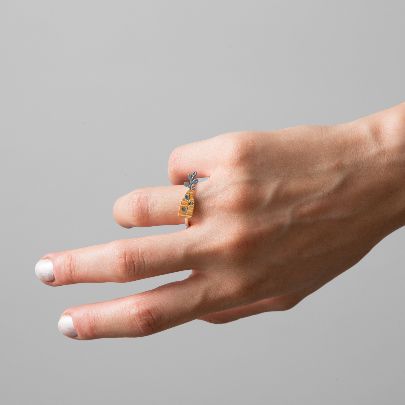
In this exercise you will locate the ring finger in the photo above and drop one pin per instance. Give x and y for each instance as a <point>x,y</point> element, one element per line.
<point>151,206</point>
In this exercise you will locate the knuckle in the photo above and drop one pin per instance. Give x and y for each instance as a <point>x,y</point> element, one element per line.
<point>88,325</point>
<point>125,264</point>
<point>146,319</point>
<point>139,208</point>
<point>238,148</point>
<point>130,262</point>
<point>69,268</point>
<point>174,159</point>
<point>139,262</point>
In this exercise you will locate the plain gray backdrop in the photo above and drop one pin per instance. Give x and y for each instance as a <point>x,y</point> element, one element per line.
<point>93,97</point>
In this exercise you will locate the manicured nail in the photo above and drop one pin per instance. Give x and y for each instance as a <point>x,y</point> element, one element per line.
<point>65,326</point>
<point>44,270</point>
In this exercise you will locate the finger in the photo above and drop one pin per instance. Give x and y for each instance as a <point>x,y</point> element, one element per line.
<point>281,303</point>
<point>121,261</point>
<point>153,206</point>
<point>201,156</point>
<point>138,315</point>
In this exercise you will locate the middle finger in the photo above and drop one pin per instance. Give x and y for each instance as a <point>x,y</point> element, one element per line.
<point>122,260</point>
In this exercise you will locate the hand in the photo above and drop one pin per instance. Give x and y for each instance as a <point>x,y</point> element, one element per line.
<point>281,214</point>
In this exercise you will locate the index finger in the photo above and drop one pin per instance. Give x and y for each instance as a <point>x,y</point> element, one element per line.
<point>122,260</point>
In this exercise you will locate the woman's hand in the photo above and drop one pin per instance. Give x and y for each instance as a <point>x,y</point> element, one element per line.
<point>281,214</point>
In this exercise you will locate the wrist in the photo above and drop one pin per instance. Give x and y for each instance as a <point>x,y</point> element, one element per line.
<point>388,127</point>
<point>384,136</point>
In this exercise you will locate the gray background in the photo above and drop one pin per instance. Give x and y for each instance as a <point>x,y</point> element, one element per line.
<point>93,97</point>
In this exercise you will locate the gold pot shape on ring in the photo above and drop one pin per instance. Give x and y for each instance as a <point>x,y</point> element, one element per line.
<point>186,207</point>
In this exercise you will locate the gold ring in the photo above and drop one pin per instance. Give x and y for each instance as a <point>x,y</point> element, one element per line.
<point>186,207</point>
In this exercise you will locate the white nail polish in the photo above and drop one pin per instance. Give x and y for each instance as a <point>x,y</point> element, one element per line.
<point>65,326</point>
<point>44,270</point>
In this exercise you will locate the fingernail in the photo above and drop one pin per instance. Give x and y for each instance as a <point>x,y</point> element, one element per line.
<point>44,270</point>
<point>65,326</point>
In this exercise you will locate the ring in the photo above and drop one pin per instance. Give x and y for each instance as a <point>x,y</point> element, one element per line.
<point>186,207</point>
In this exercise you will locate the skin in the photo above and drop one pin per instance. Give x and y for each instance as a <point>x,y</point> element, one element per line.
<point>281,214</point>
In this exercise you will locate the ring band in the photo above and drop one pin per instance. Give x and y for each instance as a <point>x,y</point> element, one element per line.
<point>186,207</point>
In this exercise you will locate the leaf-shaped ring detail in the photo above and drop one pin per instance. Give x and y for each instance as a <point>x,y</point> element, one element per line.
<point>186,206</point>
